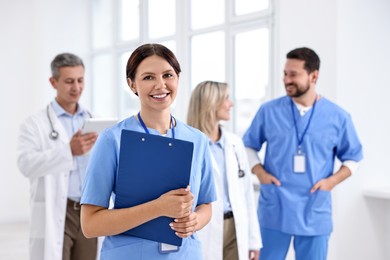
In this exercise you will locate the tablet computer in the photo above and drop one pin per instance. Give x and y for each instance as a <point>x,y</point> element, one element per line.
<point>97,124</point>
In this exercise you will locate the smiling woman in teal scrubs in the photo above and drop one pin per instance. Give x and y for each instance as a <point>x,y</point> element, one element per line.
<point>152,74</point>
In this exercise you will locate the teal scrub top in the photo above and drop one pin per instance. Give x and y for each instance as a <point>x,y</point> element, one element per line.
<point>100,185</point>
<point>291,208</point>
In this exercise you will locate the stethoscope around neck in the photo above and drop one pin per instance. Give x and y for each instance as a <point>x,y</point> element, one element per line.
<point>241,172</point>
<point>53,135</point>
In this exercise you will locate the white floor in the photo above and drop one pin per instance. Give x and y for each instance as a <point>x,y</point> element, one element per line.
<point>14,241</point>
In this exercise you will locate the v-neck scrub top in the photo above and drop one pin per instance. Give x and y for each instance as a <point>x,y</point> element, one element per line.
<point>291,208</point>
<point>100,185</point>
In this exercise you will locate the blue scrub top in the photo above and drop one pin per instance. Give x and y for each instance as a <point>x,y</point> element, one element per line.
<point>291,208</point>
<point>100,185</point>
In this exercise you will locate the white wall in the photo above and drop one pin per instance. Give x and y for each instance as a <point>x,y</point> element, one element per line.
<point>351,37</point>
<point>363,88</point>
<point>33,32</point>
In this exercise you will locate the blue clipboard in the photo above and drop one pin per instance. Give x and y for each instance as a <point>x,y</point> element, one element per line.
<point>149,166</point>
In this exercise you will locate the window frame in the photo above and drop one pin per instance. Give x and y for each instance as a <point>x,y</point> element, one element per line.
<point>233,25</point>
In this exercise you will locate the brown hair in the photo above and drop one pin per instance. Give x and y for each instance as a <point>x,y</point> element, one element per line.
<point>311,59</point>
<point>147,50</point>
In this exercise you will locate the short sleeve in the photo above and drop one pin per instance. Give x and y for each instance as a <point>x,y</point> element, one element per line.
<point>207,191</point>
<point>349,146</point>
<point>254,135</point>
<point>101,171</point>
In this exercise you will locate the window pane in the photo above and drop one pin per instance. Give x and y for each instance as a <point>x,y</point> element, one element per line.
<point>129,20</point>
<point>251,74</point>
<point>129,102</point>
<point>206,13</point>
<point>249,6</point>
<point>161,16</point>
<point>103,100</point>
<point>102,23</point>
<point>170,45</point>
<point>208,58</point>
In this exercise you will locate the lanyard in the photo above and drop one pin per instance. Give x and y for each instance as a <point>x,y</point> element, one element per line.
<point>146,129</point>
<point>300,140</point>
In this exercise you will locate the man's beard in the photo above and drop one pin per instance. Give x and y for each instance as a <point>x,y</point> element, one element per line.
<point>298,92</point>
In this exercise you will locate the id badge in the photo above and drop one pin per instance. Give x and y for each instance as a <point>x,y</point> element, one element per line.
<point>167,248</point>
<point>299,163</point>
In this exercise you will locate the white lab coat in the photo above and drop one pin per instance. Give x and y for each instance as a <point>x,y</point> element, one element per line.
<point>242,202</point>
<point>47,163</point>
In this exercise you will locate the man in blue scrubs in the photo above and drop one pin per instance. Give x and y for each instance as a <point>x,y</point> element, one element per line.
<point>304,133</point>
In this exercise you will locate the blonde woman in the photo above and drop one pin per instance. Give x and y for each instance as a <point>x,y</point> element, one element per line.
<point>233,232</point>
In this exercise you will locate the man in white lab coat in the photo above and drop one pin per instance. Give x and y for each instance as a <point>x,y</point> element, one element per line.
<point>52,153</point>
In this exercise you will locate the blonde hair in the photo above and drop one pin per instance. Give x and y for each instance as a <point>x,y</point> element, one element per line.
<point>205,100</point>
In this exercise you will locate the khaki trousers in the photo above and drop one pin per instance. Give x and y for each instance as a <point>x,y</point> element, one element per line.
<point>230,251</point>
<point>76,245</point>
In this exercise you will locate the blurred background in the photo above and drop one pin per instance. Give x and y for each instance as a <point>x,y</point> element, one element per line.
<point>242,42</point>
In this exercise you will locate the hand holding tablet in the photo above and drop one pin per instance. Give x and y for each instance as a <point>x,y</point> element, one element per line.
<point>97,124</point>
